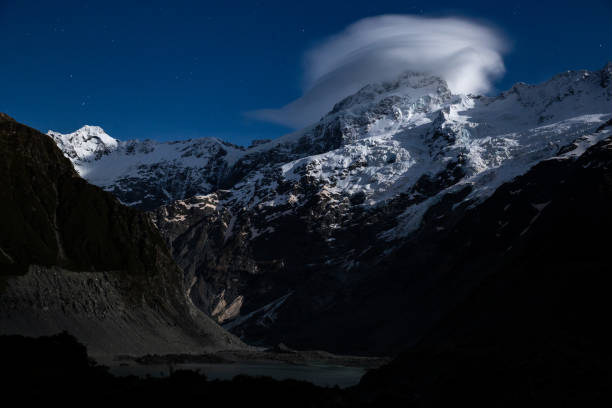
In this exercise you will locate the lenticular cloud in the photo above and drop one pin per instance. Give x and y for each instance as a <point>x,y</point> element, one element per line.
<point>466,54</point>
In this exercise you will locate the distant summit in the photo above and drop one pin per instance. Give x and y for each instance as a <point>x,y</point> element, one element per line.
<point>86,144</point>
<point>146,173</point>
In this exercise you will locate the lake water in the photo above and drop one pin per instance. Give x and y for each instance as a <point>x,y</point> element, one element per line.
<point>322,375</point>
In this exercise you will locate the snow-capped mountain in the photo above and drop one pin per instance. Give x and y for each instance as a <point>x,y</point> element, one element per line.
<point>146,173</point>
<point>281,232</point>
<point>86,144</point>
<point>389,135</point>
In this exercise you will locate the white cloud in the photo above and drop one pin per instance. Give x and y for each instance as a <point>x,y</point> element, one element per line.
<point>465,53</point>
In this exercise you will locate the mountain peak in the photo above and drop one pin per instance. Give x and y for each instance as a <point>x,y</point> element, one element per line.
<point>88,132</point>
<point>91,128</point>
<point>85,144</point>
<point>409,86</point>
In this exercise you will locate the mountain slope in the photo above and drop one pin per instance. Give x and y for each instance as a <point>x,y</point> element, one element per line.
<point>298,226</point>
<point>307,223</point>
<point>73,258</point>
<point>533,329</point>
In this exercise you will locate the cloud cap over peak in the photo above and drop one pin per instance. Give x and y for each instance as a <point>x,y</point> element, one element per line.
<point>467,54</point>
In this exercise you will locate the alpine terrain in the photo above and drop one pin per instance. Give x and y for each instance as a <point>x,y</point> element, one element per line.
<point>364,231</point>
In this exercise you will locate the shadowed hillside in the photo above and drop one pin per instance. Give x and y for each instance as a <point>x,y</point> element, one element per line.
<point>73,258</point>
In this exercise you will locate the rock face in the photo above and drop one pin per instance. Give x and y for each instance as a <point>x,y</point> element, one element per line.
<point>329,237</point>
<point>73,258</point>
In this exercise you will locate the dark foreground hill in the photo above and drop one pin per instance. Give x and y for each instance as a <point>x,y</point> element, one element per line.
<point>73,258</point>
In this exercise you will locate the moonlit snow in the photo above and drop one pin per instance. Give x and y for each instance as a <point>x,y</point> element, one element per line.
<point>393,134</point>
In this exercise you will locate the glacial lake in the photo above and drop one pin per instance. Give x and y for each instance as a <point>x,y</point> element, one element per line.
<point>322,375</point>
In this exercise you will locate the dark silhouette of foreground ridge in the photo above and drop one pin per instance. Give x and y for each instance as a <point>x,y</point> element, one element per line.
<point>57,369</point>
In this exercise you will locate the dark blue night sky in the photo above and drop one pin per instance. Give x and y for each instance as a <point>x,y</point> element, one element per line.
<point>177,70</point>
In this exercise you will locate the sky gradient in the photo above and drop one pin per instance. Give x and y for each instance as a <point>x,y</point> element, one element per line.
<point>181,70</point>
